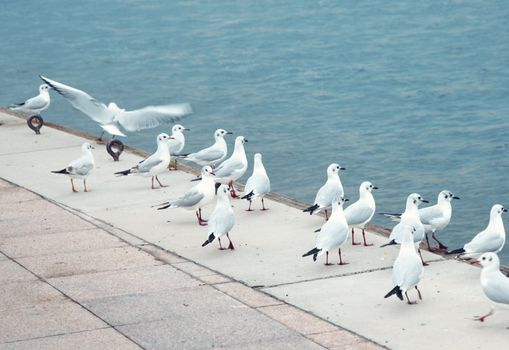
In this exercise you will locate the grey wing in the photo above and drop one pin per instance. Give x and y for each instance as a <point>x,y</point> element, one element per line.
<point>227,168</point>
<point>152,116</point>
<point>80,166</point>
<point>357,213</point>
<point>207,155</point>
<point>326,194</point>
<point>147,165</point>
<point>430,213</point>
<point>36,102</point>
<point>189,199</point>
<point>484,242</point>
<point>498,289</point>
<point>82,101</point>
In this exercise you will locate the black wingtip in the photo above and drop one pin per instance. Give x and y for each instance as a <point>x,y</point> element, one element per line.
<point>124,172</point>
<point>166,206</point>
<point>396,290</point>
<point>63,171</point>
<point>392,242</point>
<point>458,251</point>
<point>313,252</point>
<point>311,209</point>
<point>209,240</point>
<point>248,196</point>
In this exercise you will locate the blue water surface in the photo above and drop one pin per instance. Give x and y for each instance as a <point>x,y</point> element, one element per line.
<point>411,95</point>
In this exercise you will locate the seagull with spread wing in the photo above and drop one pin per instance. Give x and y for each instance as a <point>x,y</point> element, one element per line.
<point>113,118</point>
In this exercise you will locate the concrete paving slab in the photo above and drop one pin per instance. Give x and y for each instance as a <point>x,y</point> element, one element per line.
<point>13,195</point>
<point>46,320</point>
<point>75,263</point>
<point>107,338</point>
<point>451,292</point>
<point>115,283</point>
<point>12,272</point>
<point>7,120</point>
<point>341,339</point>
<point>247,295</point>
<point>56,243</point>
<point>34,207</point>
<point>214,279</point>
<point>21,294</point>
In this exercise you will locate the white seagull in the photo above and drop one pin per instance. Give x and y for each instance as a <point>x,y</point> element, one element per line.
<point>154,165</point>
<point>333,234</point>
<point>361,212</point>
<point>258,184</point>
<point>331,189</point>
<point>80,168</point>
<point>111,118</point>
<point>34,105</point>
<point>491,239</point>
<point>409,218</point>
<point>494,284</point>
<point>407,270</point>
<point>197,197</point>
<point>234,167</point>
<point>436,217</point>
<point>214,154</point>
<point>221,220</point>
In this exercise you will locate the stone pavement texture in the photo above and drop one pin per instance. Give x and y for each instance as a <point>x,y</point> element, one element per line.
<point>121,269</point>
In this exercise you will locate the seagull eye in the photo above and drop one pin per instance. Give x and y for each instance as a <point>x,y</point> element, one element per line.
<point>484,258</point>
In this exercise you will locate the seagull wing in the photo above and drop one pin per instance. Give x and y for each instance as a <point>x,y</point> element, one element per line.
<point>35,103</point>
<point>189,199</point>
<point>82,101</point>
<point>81,166</point>
<point>326,194</point>
<point>430,214</point>
<point>228,168</point>
<point>206,155</point>
<point>152,116</point>
<point>484,242</point>
<point>497,288</point>
<point>358,213</point>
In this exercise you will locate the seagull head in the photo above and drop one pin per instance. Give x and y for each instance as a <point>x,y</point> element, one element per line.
<point>207,171</point>
<point>416,199</point>
<point>446,196</point>
<point>497,210</point>
<point>222,191</point>
<point>367,186</point>
<point>44,88</point>
<point>179,128</point>
<point>163,138</point>
<point>221,133</point>
<point>334,168</point>
<point>489,259</point>
<point>240,140</point>
<point>86,147</point>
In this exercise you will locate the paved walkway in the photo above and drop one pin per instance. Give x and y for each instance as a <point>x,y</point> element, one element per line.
<point>267,259</point>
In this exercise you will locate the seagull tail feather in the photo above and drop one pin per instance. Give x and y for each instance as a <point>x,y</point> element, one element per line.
<point>63,171</point>
<point>248,196</point>
<point>124,172</point>
<point>313,252</point>
<point>209,240</point>
<point>392,242</point>
<point>396,290</point>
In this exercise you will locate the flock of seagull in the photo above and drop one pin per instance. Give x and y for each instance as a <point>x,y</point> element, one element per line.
<point>219,173</point>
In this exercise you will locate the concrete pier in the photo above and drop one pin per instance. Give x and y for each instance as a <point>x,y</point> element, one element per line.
<point>106,264</point>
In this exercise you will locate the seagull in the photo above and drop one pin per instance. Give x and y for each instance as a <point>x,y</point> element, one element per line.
<point>178,141</point>
<point>333,233</point>
<point>111,117</point>
<point>491,239</point>
<point>34,105</point>
<point>197,197</point>
<point>409,218</point>
<point>221,220</point>
<point>407,270</point>
<point>214,154</point>
<point>360,213</point>
<point>332,188</point>
<point>258,184</point>
<point>434,218</point>
<point>80,168</point>
<point>234,167</point>
<point>154,165</point>
<point>494,284</point>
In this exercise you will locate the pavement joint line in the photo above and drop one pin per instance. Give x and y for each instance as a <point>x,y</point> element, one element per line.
<point>37,151</point>
<point>53,335</point>
<point>42,279</point>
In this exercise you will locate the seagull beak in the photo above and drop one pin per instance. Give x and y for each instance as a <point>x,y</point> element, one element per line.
<point>229,133</point>
<point>375,188</point>
<point>92,147</point>
<point>455,197</point>
<point>186,129</point>
<point>505,210</point>
<point>424,200</point>
<point>212,173</point>
<point>245,140</point>
<point>342,168</point>
<point>346,200</point>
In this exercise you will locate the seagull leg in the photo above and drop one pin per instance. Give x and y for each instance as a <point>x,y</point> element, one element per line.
<point>326,215</point>
<point>72,184</point>
<point>341,260</point>
<point>418,293</point>
<point>422,260</point>
<point>430,248</point>
<point>364,238</point>
<point>232,190</point>
<point>100,138</point>
<point>263,205</point>
<point>408,300</point>
<point>174,166</point>
<point>220,246</point>
<point>85,184</point>
<point>481,318</point>
<point>440,245</point>
<point>249,209</point>
<point>230,246</point>
<point>353,238</point>
<point>327,259</point>
<point>153,183</point>
<point>201,222</point>
<point>160,184</point>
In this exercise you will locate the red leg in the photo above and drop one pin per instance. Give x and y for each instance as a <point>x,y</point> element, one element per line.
<point>483,317</point>
<point>353,238</point>
<point>249,209</point>
<point>263,205</point>
<point>201,222</point>
<point>364,238</point>
<point>340,259</point>
<point>230,246</point>
<point>72,184</point>
<point>232,190</point>
<point>440,245</point>
<point>423,262</point>
<point>160,184</point>
<point>408,300</point>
